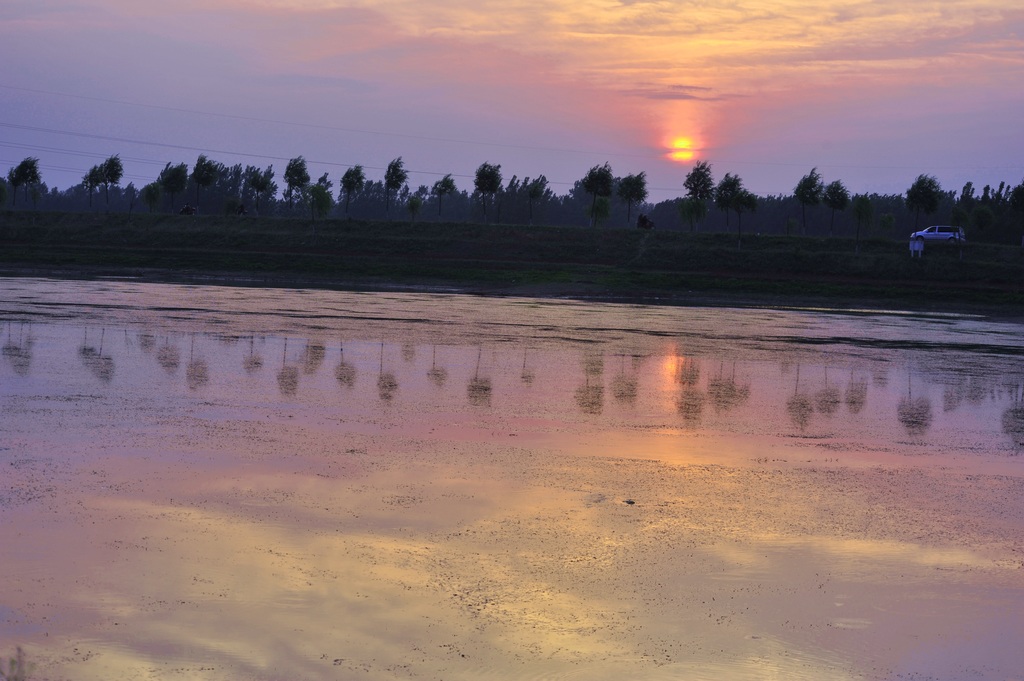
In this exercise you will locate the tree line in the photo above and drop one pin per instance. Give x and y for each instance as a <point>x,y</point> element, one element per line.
<point>815,207</point>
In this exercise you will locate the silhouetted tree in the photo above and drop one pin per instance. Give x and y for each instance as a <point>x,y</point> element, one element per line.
<point>599,183</point>
<point>394,177</point>
<point>862,213</point>
<point>808,192</point>
<point>726,191</point>
<point>351,183</point>
<point>3,193</point>
<point>111,172</point>
<point>173,180</point>
<point>746,202</point>
<point>836,197</point>
<point>487,183</point>
<point>92,179</point>
<point>923,195</point>
<point>441,189</point>
<point>320,199</point>
<point>25,174</point>
<point>261,182</point>
<point>633,189</point>
<point>700,188</point>
<point>413,205</point>
<point>296,176</point>
<point>692,211</point>
<point>204,173</point>
<point>535,190</point>
<point>1016,202</point>
<point>151,195</point>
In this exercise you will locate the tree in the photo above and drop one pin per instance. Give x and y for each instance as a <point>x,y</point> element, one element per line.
<point>413,205</point>
<point>923,195</point>
<point>261,182</point>
<point>25,174</point>
<point>487,183</point>
<point>204,173</point>
<point>92,179</point>
<point>700,188</point>
<point>599,183</point>
<point>836,197</point>
<point>151,195</point>
<point>982,218</point>
<point>3,193</point>
<point>862,213</point>
<point>535,190</point>
<point>692,210</point>
<point>745,201</point>
<point>633,189</point>
<point>131,193</point>
<point>394,177</point>
<point>726,191</point>
<point>296,176</point>
<point>111,172</point>
<point>320,198</point>
<point>1016,202</point>
<point>173,180</point>
<point>352,182</point>
<point>808,192</point>
<point>601,209</point>
<point>442,188</point>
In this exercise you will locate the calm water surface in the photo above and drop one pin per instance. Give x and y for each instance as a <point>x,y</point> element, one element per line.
<point>241,483</point>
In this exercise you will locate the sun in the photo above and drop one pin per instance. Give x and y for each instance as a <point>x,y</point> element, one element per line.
<point>681,149</point>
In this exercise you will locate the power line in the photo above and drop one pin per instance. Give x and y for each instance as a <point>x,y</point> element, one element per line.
<point>316,126</point>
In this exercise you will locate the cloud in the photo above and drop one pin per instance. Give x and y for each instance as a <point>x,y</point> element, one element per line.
<point>615,76</point>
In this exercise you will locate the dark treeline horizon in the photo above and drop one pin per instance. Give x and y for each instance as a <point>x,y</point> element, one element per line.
<point>993,214</point>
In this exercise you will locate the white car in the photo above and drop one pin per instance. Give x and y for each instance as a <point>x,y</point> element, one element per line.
<point>940,233</point>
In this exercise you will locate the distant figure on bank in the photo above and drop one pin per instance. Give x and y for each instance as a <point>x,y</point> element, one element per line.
<point>644,222</point>
<point>187,210</point>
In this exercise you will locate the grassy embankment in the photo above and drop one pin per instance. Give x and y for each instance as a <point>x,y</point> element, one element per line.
<point>512,258</point>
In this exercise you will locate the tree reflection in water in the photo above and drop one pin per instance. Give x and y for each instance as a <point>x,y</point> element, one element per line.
<point>387,384</point>
<point>147,342</point>
<point>312,357</point>
<point>344,372</point>
<point>168,357</point>
<point>437,375</point>
<point>252,362</point>
<point>197,373</point>
<point>288,376</point>
<point>971,389</point>
<point>856,394</point>
<point>690,405</point>
<point>19,353</point>
<point>94,360</point>
<point>479,389</point>
<point>915,413</point>
<point>827,399</point>
<point>408,352</point>
<point>624,388</point>
<point>690,401</point>
<point>725,392</point>
<point>590,395</point>
<point>687,372</point>
<point>526,374</point>
<point>799,405</point>
<point>1013,419</point>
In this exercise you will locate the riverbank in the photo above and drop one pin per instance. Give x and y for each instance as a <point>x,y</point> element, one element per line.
<point>661,266</point>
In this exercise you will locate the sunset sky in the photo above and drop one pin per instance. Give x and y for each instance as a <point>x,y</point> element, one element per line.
<point>872,92</point>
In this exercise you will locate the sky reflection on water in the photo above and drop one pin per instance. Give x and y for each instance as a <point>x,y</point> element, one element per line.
<point>241,483</point>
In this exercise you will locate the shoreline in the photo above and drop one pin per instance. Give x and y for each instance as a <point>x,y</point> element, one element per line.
<point>580,291</point>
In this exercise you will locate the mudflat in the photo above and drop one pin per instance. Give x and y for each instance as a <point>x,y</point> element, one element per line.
<point>234,483</point>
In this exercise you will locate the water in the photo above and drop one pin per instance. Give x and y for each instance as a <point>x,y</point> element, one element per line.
<point>240,483</point>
